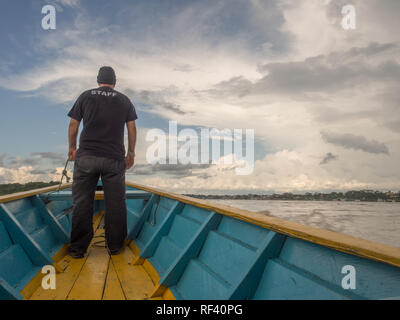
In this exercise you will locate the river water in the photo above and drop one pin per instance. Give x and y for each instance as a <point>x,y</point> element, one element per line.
<point>374,221</point>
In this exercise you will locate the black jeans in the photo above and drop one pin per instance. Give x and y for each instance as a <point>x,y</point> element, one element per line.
<point>87,170</point>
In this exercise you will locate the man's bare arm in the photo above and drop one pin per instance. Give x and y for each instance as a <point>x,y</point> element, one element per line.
<point>130,158</point>
<point>73,130</point>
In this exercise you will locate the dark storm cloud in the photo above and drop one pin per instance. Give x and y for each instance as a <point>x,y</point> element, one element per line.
<point>238,86</point>
<point>154,99</point>
<point>350,141</point>
<point>325,73</point>
<point>328,158</point>
<point>174,108</point>
<point>332,115</point>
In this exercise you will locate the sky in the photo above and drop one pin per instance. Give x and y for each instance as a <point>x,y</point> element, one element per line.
<point>323,101</point>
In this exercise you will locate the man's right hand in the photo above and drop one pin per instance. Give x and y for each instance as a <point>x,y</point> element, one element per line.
<point>130,160</point>
<point>71,154</point>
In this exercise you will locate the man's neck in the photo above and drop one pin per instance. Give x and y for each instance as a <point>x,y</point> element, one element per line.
<point>107,85</point>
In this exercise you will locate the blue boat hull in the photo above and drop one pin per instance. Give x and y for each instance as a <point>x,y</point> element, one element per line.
<point>200,251</point>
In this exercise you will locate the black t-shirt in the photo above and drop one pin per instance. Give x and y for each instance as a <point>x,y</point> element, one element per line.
<point>104,112</point>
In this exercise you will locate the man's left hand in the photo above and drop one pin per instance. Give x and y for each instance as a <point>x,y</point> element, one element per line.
<point>130,160</point>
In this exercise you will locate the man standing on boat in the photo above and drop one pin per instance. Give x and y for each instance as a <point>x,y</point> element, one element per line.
<point>101,153</point>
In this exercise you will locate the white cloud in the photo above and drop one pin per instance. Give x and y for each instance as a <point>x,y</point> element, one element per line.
<point>27,174</point>
<point>68,3</point>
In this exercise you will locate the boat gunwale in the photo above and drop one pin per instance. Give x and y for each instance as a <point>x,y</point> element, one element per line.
<point>334,240</point>
<point>30,193</point>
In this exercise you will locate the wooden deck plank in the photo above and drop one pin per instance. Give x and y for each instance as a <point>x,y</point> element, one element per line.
<point>113,289</point>
<point>72,268</point>
<point>91,280</point>
<point>64,281</point>
<point>136,283</point>
<point>98,277</point>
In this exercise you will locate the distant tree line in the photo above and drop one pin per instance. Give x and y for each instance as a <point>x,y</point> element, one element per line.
<point>354,195</point>
<point>17,187</point>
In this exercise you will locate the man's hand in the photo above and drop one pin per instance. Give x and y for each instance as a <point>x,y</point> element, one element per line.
<point>72,136</point>
<point>130,157</point>
<point>71,154</point>
<point>130,160</point>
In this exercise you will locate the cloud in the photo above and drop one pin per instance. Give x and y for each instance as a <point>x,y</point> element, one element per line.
<point>177,170</point>
<point>39,172</point>
<point>350,141</point>
<point>18,162</point>
<point>328,158</point>
<point>67,3</point>
<point>183,68</point>
<point>24,174</point>
<point>3,156</point>
<point>358,66</point>
<point>284,171</point>
<point>36,159</point>
<point>235,86</point>
<point>156,100</point>
<point>60,5</point>
<point>56,158</point>
<point>39,166</point>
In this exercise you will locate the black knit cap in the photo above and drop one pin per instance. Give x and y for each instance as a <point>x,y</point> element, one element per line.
<point>106,76</point>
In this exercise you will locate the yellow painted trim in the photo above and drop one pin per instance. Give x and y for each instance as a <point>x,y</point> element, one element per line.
<point>337,241</point>
<point>58,258</point>
<point>99,195</point>
<point>152,272</point>
<point>135,249</point>
<point>158,291</point>
<point>32,286</point>
<point>60,253</point>
<point>30,193</point>
<point>168,295</point>
<point>137,261</point>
